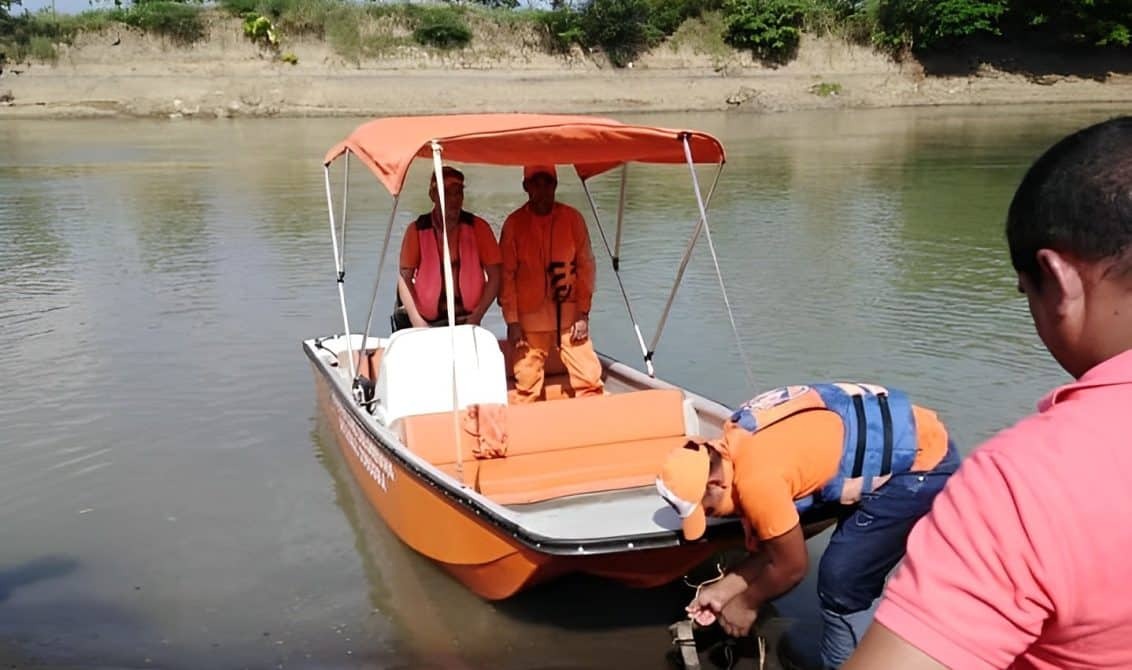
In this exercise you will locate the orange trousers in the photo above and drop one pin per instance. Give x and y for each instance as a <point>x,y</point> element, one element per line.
<point>580,360</point>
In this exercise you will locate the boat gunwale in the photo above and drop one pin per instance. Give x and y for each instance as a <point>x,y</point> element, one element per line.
<point>484,507</point>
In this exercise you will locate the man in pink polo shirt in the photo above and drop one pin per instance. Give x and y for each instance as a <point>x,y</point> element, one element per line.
<point>1025,560</point>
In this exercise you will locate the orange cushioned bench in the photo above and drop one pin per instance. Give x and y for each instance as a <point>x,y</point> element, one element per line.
<point>579,445</point>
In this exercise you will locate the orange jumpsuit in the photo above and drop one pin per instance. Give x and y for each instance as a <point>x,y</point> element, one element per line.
<point>548,283</point>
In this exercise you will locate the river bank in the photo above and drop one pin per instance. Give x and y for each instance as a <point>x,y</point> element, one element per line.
<point>123,72</point>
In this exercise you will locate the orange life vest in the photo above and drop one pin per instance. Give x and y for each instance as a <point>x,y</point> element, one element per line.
<point>429,278</point>
<point>880,432</point>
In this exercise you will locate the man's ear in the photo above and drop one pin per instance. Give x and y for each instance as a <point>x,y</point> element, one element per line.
<point>1061,276</point>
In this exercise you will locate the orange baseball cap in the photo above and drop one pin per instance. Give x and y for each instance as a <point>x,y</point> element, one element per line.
<point>531,170</point>
<point>682,482</point>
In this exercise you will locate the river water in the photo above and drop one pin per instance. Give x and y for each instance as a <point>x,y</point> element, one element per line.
<point>168,495</point>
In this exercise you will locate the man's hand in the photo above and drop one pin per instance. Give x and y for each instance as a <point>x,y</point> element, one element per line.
<point>580,330</point>
<point>708,604</point>
<point>516,336</point>
<point>738,616</point>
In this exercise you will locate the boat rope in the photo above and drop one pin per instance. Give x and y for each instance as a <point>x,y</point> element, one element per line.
<point>729,644</point>
<point>616,262</point>
<point>715,261</point>
<point>340,273</point>
<point>699,587</point>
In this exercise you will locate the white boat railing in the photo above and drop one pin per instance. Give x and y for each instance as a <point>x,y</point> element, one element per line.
<point>339,262</point>
<point>450,302</point>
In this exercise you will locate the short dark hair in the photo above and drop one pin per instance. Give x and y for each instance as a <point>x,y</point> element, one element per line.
<point>1076,198</point>
<point>446,172</point>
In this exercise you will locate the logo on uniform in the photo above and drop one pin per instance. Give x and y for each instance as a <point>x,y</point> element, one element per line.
<point>775,397</point>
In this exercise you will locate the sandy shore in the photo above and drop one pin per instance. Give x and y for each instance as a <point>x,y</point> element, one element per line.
<point>125,73</point>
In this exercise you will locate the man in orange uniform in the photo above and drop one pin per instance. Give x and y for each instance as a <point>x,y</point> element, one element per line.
<point>862,451</point>
<point>475,261</point>
<point>547,287</point>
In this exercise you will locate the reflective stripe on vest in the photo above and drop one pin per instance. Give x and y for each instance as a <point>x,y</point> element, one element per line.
<point>429,280</point>
<point>880,432</point>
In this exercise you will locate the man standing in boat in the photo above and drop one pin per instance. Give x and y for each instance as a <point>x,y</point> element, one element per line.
<point>875,459</point>
<point>547,287</point>
<point>476,261</point>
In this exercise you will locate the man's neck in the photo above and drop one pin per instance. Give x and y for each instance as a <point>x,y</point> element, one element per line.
<point>452,220</point>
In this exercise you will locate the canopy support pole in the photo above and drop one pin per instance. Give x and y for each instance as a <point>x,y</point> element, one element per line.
<point>715,261</point>
<point>450,302</point>
<point>345,197</point>
<point>683,265</point>
<point>380,269</point>
<point>340,273</point>
<point>616,261</point>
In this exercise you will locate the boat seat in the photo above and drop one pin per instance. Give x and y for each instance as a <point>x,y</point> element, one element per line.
<point>579,445</point>
<point>543,476</point>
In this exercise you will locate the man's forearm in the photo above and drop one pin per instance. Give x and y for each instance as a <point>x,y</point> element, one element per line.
<point>490,290</point>
<point>768,580</point>
<point>739,579</point>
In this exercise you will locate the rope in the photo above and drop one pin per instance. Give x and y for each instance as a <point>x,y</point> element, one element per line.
<point>730,643</point>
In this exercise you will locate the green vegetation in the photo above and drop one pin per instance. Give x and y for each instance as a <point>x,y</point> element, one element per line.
<point>770,29</point>
<point>621,29</point>
<point>825,89</point>
<point>442,27</point>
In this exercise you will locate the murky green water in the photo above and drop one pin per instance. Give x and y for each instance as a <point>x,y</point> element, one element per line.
<point>164,500</point>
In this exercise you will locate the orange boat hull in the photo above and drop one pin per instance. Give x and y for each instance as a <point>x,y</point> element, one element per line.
<point>479,554</point>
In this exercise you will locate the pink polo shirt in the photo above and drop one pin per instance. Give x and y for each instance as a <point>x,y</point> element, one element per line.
<point>1025,560</point>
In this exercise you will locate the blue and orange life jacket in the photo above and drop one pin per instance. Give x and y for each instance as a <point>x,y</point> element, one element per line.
<point>429,278</point>
<point>880,432</point>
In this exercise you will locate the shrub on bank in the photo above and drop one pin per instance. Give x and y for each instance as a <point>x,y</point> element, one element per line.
<point>178,22</point>
<point>443,28</point>
<point>620,27</point>
<point>770,29</point>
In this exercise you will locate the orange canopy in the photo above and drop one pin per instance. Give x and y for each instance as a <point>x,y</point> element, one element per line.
<point>591,144</point>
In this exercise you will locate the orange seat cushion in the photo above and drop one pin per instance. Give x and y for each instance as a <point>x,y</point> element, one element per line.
<point>550,426</point>
<point>554,449</point>
<point>601,467</point>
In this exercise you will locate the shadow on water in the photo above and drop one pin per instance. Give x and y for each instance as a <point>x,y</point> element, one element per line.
<point>46,624</point>
<point>37,570</point>
<point>583,602</point>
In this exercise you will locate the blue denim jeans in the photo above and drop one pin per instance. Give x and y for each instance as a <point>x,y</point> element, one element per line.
<point>866,545</point>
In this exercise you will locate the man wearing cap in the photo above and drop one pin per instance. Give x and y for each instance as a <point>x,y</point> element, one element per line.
<point>547,287</point>
<point>473,251</point>
<point>863,451</point>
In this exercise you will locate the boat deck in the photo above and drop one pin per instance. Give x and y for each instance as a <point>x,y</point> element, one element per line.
<point>639,511</point>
